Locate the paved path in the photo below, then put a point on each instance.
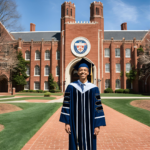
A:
(121, 133)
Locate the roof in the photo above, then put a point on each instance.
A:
(108, 34)
(37, 35)
(127, 34)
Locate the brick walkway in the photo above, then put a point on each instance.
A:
(121, 133)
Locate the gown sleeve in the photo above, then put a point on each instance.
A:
(99, 119)
(65, 111)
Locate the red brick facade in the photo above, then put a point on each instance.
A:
(94, 32)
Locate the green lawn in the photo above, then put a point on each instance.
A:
(123, 106)
(36, 94)
(26, 98)
(122, 95)
(20, 126)
(6, 96)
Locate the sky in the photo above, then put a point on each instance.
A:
(46, 14)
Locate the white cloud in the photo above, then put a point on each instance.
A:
(124, 12)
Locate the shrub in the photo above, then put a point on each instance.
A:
(108, 90)
(45, 91)
(57, 91)
(27, 90)
(40, 91)
(31, 91)
(128, 91)
(52, 91)
(47, 94)
(119, 91)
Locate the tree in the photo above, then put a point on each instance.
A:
(19, 76)
(144, 57)
(131, 75)
(51, 82)
(9, 15)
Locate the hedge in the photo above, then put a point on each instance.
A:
(108, 90)
(47, 94)
(119, 91)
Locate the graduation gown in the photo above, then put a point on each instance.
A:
(83, 111)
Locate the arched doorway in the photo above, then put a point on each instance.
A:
(3, 83)
(69, 69)
(75, 77)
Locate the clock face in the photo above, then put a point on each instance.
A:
(80, 46)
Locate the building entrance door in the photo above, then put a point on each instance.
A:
(3, 84)
(75, 77)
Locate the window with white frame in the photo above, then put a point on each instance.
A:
(128, 53)
(118, 68)
(107, 83)
(37, 55)
(117, 52)
(46, 86)
(37, 70)
(118, 84)
(107, 67)
(107, 52)
(36, 85)
(28, 71)
(47, 55)
(58, 55)
(27, 55)
(27, 86)
(128, 67)
(57, 70)
(47, 70)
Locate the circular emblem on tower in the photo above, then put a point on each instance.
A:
(80, 46)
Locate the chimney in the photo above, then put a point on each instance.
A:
(124, 26)
(32, 27)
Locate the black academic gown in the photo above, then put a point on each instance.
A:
(83, 111)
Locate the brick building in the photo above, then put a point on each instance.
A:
(113, 53)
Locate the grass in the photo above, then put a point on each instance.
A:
(36, 94)
(124, 107)
(26, 98)
(6, 96)
(20, 126)
(122, 95)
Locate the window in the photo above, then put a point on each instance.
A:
(107, 52)
(97, 11)
(128, 67)
(128, 53)
(118, 68)
(47, 70)
(58, 55)
(27, 86)
(128, 84)
(27, 55)
(57, 71)
(67, 11)
(37, 70)
(71, 12)
(107, 83)
(37, 55)
(36, 85)
(46, 86)
(47, 55)
(107, 67)
(118, 84)
(28, 71)
(117, 52)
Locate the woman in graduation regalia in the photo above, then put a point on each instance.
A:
(82, 110)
